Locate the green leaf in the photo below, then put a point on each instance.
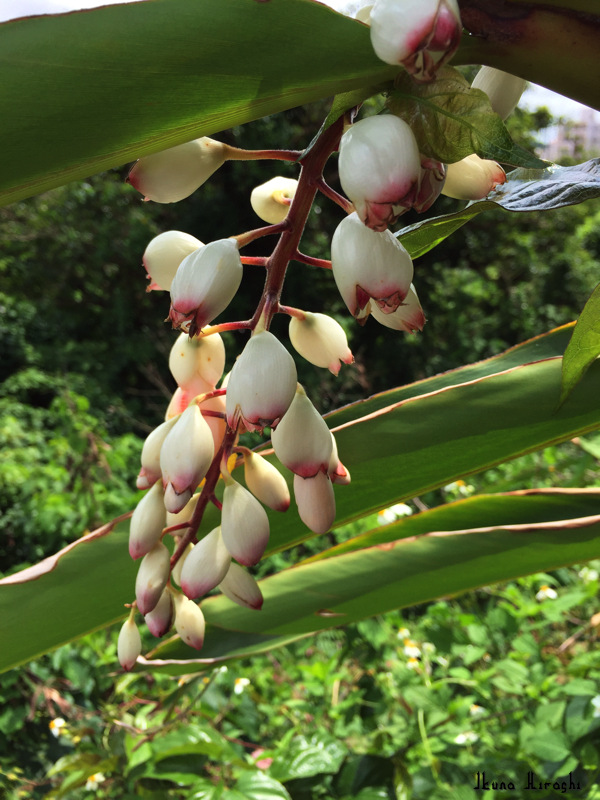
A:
(258, 786)
(95, 89)
(524, 190)
(549, 745)
(304, 757)
(451, 121)
(446, 432)
(584, 346)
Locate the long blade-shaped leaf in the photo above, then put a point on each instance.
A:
(584, 346)
(397, 445)
(90, 90)
(501, 537)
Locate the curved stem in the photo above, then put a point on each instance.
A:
(338, 198)
(308, 184)
(312, 262)
(255, 261)
(239, 154)
(250, 236)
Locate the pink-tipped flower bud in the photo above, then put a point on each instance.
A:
(271, 200)
(160, 619)
(147, 522)
(380, 169)
(150, 471)
(316, 501)
(422, 35)
(302, 440)
(240, 587)
(152, 578)
(129, 644)
(262, 383)
(504, 90)
(320, 340)
(164, 254)
(337, 471)
(205, 566)
(408, 317)
(244, 525)
(433, 175)
(205, 284)
(473, 178)
(178, 566)
(173, 174)
(266, 482)
(189, 621)
(194, 357)
(369, 268)
(185, 457)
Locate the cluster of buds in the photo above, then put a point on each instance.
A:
(195, 458)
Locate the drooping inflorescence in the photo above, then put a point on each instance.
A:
(195, 458)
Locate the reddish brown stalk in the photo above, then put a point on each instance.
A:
(312, 262)
(249, 236)
(338, 198)
(254, 261)
(311, 176)
(238, 154)
(208, 490)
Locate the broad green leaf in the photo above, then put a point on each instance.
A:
(445, 561)
(524, 190)
(584, 346)
(446, 431)
(549, 745)
(87, 91)
(304, 757)
(258, 786)
(451, 121)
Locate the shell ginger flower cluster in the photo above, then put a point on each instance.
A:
(197, 461)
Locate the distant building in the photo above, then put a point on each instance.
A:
(572, 139)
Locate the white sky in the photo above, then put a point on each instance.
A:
(534, 96)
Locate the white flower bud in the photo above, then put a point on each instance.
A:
(150, 471)
(244, 525)
(164, 254)
(205, 566)
(302, 440)
(197, 356)
(205, 284)
(189, 621)
(369, 268)
(504, 90)
(185, 457)
(147, 522)
(316, 501)
(271, 200)
(380, 169)
(266, 482)
(173, 174)
(129, 644)
(240, 587)
(473, 178)
(320, 340)
(262, 383)
(408, 317)
(422, 35)
(178, 566)
(152, 577)
(160, 619)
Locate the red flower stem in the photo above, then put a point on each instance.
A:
(292, 312)
(209, 413)
(338, 198)
(227, 326)
(239, 154)
(250, 236)
(309, 181)
(312, 262)
(254, 261)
